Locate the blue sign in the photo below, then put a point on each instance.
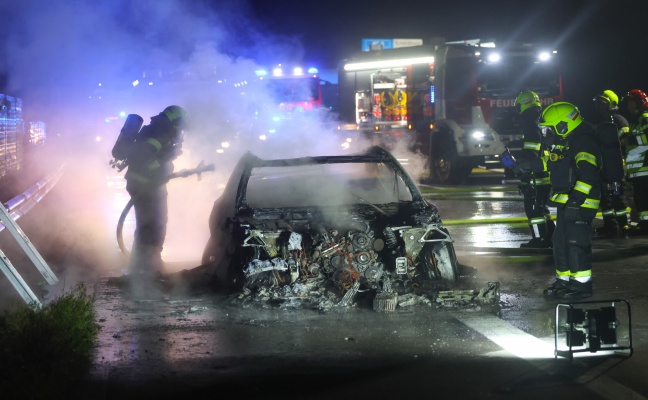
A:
(377, 44)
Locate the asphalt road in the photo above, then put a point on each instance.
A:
(201, 345)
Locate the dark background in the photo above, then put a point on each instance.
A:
(602, 44)
(52, 54)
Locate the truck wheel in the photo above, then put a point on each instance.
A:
(446, 165)
(440, 261)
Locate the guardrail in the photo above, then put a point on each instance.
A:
(9, 213)
(21, 204)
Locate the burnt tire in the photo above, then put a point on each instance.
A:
(440, 261)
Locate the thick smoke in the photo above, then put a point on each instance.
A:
(74, 64)
(77, 65)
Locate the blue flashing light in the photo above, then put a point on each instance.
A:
(261, 72)
(313, 70)
(122, 114)
(297, 71)
(432, 94)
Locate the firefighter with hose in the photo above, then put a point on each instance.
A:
(149, 160)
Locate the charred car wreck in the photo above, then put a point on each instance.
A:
(328, 230)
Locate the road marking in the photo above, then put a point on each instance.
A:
(539, 352)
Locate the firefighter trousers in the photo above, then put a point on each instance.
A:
(536, 198)
(572, 242)
(151, 216)
(613, 208)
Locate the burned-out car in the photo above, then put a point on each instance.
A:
(328, 229)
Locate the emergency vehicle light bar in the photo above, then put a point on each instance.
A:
(388, 63)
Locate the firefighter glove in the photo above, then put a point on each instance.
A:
(572, 211)
(575, 213)
(523, 167)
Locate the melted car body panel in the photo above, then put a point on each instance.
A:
(345, 224)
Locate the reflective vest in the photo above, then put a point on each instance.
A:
(636, 150)
(562, 165)
(538, 178)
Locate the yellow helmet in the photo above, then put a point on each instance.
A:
(526, 100)
(177, 115)
(609, 97)
(563, 117)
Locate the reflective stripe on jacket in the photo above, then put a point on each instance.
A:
(636, 150)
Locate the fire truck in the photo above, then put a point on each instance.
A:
(294, 89)
(285, 96)
(452, 101)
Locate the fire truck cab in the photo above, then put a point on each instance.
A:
(453, 101)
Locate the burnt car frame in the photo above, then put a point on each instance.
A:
(346, 224)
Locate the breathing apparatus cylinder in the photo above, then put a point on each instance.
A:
(127, 136)
(611, 152)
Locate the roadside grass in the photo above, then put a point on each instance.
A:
(45, 351)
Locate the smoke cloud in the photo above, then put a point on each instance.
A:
(81, 66)
(78, 64)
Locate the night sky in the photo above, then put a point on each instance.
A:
(603, 44)
(50, 51)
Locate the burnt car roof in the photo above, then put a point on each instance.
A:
(373, 154)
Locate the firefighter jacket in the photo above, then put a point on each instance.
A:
(637, 147)
(534, 147)
(575, 168)
(622, 124)
(152, 155)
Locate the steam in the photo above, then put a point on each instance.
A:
(77, 65)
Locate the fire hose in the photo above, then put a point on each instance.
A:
(180, 174)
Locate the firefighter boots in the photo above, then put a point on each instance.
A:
(557, 287)
(541, 239)
(576, 290)
(571, 289)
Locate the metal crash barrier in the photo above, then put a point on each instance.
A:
(9, 213)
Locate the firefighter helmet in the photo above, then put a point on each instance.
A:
(177, 115)
(563, 117)
(608, 97)
(640, 98)
(526, 100)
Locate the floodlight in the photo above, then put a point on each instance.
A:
(592, 329)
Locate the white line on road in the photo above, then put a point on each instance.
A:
(539, 352)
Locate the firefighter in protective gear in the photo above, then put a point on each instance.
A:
(574, 165)
(150, 163)
(636, 104)
(613, 206)
(534, 186)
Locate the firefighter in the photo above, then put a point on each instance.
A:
(613, 206)
(150, 163)
(534, 186)
(574, 165)
(636, 104)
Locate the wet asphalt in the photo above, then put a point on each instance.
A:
(204, 345)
